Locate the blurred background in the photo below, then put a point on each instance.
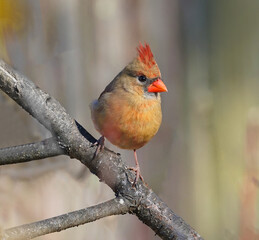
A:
(203, 162)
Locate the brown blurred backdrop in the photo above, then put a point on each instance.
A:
(204, 160)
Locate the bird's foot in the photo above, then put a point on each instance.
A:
(100, 146)
(138, 175)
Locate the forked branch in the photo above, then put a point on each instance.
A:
(108, 166)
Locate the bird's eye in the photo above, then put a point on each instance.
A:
(142, 78)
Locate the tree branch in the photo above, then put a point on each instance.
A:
(107, 165)
(31, 151)
(115, 206)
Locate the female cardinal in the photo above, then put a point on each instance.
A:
(128, 111)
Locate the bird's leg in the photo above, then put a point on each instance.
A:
(100, 145)
(136, 169)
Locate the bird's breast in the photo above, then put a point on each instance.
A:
(129, 123)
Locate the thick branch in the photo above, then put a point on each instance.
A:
(32, 151)
(28, 231)
(108, 166)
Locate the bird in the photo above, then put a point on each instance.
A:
(128, 111)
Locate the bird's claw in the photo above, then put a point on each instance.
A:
(138, 175)
(100, 146)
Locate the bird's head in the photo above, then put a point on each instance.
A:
(144, 74)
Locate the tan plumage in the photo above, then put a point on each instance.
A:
(128, 112)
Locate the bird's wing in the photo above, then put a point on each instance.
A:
(111, 86)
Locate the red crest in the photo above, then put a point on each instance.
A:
(145, 55)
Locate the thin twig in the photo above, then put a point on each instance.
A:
(115, 206)
(31, 151)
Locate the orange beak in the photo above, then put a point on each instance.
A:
(157, 86)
